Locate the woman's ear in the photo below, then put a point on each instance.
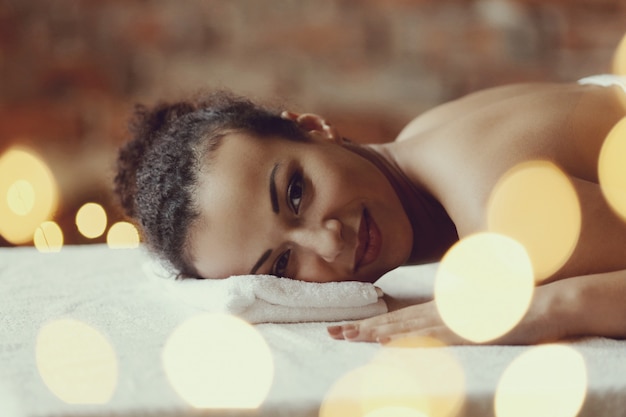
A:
(313, 123)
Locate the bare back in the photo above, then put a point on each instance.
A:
(459, 151)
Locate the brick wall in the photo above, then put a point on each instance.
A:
(71, 69)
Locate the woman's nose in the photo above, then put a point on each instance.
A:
(324, 239)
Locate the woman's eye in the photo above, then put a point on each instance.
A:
(280, 266)
(295, 191)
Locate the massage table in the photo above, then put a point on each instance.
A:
(127, 323)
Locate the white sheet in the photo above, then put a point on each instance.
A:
(107, 290)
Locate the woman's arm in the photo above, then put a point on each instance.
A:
(590, 305)
(598, 305)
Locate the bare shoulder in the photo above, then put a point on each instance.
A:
(459, 152)
(470, 103)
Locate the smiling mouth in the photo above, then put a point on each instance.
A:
(369, 242)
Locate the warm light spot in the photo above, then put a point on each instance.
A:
(393, 411)
(91, 220)
(484, 286)
(536, 204)
(21, 197)
(619, 59)
(218, 361)
(123, 235)
(76, 362)
(373, 387)
(48, 237)
(548, 380)
(612, 168)
(402, 382)
(28, 194)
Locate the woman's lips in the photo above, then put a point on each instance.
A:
(369, 242)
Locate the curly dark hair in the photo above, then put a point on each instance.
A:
(157, 170)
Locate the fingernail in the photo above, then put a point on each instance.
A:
(334, 330)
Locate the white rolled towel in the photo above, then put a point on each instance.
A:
(268, 299)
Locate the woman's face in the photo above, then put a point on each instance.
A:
(311, 211)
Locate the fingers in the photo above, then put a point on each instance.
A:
(367, 332)
(372, 330)
(353, 331)
(346, 331)
(401, 334)
(418, 318)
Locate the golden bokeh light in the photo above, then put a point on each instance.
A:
(76, 362)
(123, 235)
(21, 197)
(548, 380)
(373, 387)
(91, 220)
(536, 204)
(619, 59)
(483, 286)
(28, 194)
(218, 361)
(400, 382)
(392, 411)
(48, 237)
(612, 168)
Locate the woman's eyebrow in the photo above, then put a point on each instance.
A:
(273, 194)
(260, 262)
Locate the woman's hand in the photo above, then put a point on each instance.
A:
(547, 319)
(418, 320)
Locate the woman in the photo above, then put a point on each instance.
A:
(222, 187)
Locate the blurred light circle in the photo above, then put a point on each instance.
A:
(21, 197)
(612, 168)
(536, 204)
(411, 382)
(48, 237)
(76, 362)
(545, 381)
(91, 220)
(395, 411)
(28, 194)
(483, 286)
(619, 59)
(218, 361)
(123, 235)
(412, 341)
(372, 387)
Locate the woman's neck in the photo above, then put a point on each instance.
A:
(433, 230)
